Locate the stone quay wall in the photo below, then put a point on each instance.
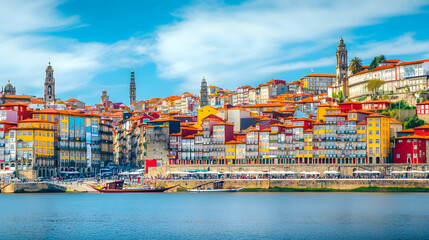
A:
(31, 188)
(344, 169)
(296, 183)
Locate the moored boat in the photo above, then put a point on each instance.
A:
(217, 187)
(117, 187)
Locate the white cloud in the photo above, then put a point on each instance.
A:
(232, 45)
(229, 45)
(26, 50)
(405, 44)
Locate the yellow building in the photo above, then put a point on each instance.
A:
(318, 134)
(264, 145)
(204, 112)
(35, 144)
(308, 146)
(230, 151)
(378, 137)
(321, 111)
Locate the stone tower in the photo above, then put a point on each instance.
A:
(49, 84)
(132, 88)
(342, 67)
(104, 96)
(204, 94)
(9, 89)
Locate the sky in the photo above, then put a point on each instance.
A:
(171, 45)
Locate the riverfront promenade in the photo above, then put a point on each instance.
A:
(296, 183)
(341, 184)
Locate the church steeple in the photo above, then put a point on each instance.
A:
(49, 84)
(341, 61)
(204, 101)
(342, 69)
(132, 88)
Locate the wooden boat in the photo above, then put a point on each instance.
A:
(217, 187)
(117, 187)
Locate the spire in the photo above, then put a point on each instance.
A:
(203, 93)
(132, 88)
(49, 84)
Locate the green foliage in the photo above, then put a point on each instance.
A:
(355, 65)
(424, 95)
(400, 105)
(373, 64)
(375, 61)
(381, 59)
(334, 95)
(407, 89)
(392, 113)
(361, 99)
(413, 122)
(373, 85)
(340, 96)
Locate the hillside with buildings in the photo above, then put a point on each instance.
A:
(319, 120)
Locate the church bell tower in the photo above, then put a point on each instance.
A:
(49, 84)
(132, 88)
(342, 67)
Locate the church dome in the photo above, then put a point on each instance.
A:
(9, 89)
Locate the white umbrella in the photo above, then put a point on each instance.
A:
(375, 172)
(185, 173)
(6, 172)
(313, 173)
(395, 172)
(290, 172)
(331, 172)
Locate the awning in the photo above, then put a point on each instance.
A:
(74, 172)
(331, 172)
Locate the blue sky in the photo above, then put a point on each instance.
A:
(171, 45)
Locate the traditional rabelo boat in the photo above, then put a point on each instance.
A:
(118, 187)
(217, 187)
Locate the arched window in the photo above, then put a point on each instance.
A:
(50, 74)
(342, 58)
(132, 92)
(49, 89)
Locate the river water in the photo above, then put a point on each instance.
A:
(215, 216)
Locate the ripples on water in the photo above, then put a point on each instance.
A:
(215, 216)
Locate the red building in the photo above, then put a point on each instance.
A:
(349, 105)
(411, 149)
(376, 105)
(21, 108)
(423, 108)
(422, 130)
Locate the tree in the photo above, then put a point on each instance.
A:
(381, 59)
(375, 61)
(414, 122)
(424, 95)
(340, 96)
(373, 64)
(355, 65)
(373, 85)
(334, 95)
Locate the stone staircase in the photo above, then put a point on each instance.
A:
(77, 187)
